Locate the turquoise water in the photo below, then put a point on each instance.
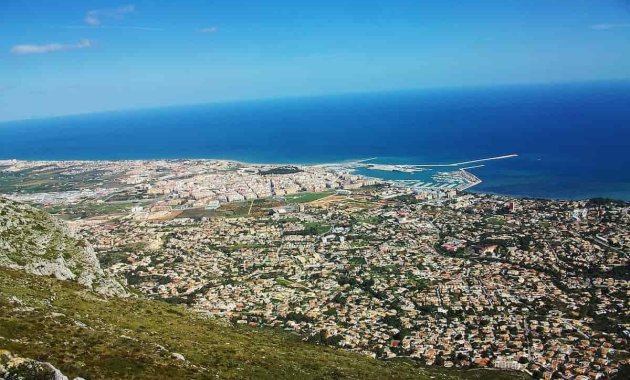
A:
(572, 140)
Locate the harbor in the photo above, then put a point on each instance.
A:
(422, 177)
(459, 180)
(414, 168)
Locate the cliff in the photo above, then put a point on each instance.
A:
(35, 242)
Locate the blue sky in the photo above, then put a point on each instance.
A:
(64, 57)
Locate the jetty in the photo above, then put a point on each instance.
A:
(412, 168)
(467, 162)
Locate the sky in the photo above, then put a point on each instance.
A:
(67, 57)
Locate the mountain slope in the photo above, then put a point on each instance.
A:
(34, 241)
(83, 334)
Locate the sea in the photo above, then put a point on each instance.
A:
(572, 140)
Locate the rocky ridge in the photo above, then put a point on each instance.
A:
(14, 367)
(35, 242)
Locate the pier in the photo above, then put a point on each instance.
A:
(458, 179)
(412, 168)
(465, 162)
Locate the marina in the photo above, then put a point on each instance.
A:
(454, 180)
(414, 168)
(459, 179)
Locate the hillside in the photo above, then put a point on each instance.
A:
(51, 311)
(35, 242)
(115, 338)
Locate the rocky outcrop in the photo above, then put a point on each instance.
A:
(17, 368)
(33, 241)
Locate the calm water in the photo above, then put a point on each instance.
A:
(573, 140)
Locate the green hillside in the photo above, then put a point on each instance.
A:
(85, 335)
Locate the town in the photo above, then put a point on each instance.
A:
(440, 276)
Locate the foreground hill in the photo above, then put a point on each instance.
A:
(83, 334)
(56, 307)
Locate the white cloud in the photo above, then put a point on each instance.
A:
(95, 16)
(47, 48)
(210, 29)
(120, 27)
(609, 26)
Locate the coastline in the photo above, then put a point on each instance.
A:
(351, 166)
(559, 156)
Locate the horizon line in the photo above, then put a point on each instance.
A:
(320, 95)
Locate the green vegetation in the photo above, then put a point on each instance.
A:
(283, 281)
(417, 283)
(33, 231)
(100, 338)
(358, 243)
(90, 209)
(282, 170)
(316, 228)
(495, 220)
(361, 217)
(357, 261)
(307, 197)
(111, 258)
(385, 270)
(311, 228)
(48, 180)
(258, 207)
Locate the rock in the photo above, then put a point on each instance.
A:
(33, 241)
(58, 268)
(80, 324)
(177, 356)
(18, 368)
(15, 301)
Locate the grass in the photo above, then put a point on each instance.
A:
(90, 209)
(495, 220)
(49, 180)
(135, 339)
(307, 197)
(259, 207)
(369, 219)
(283, 282)
(316, 228)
